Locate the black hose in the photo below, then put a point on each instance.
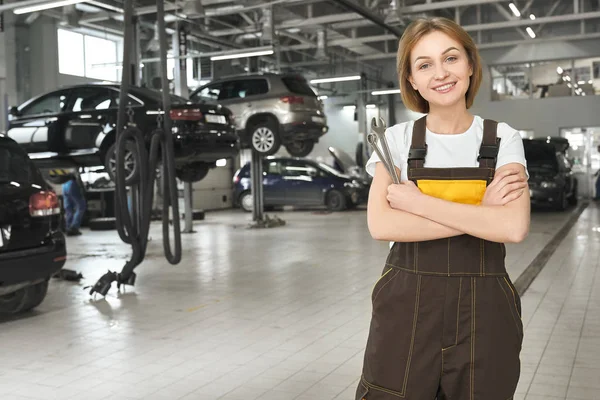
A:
(133, 220)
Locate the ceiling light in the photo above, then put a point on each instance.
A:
(106, 6)
(242, 55)
(569, 85)
(46, 6)
(590, 81)
(322, 97)
(371, 106)
(531, 17)
(568, 78)
(336, 79)
(559, 70)
(514, 9)
(387, 91)
(581, 82)
(349, 107)
(530, 32)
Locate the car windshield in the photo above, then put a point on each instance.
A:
(329, 169)
(541, 156)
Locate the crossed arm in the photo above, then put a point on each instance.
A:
(401, 213)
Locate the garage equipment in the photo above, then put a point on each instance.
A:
(378, 135)
(134, 201)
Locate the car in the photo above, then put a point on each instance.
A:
(76, 127)
(300, 182)
(32, 246)
(551, 181)
(270, 110)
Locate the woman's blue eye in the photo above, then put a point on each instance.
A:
(423, 66)
(451, 58)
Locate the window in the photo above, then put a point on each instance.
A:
(90, 99)
(298, 85)
(14, 164)
(210, 92)
(296, 168)
(87, 55)
(52, 103)
(240, 89)
(272, 167)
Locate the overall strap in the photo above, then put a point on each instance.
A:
(488, 152)
(418, 147)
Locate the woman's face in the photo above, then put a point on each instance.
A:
(440, 70)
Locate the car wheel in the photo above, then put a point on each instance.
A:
(35, 295)
(336, 201)
(192, 172)
(563, 203)
(246, 201)
(14, 302)
(300, 148)
(132, 162)
(265, 139)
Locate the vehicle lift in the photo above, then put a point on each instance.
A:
(133, 219)
(259, 218)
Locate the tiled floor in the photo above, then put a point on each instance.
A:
(274, 314)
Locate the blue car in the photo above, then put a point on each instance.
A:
(301, 182)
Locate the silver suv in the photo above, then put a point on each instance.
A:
(270, 110)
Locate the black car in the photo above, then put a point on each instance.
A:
(551, 180)
(76, 126)
(301, 182)
(32, 248)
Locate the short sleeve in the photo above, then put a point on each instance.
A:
(511, 147)
(396, 150)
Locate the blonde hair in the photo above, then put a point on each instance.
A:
(413, 33)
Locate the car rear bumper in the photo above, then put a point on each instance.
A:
(304, 130)
(205, 146)
(31, 265)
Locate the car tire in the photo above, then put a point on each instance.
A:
(103, 224)
(246, 201)
(35, 295)
(132, 162)
(13, 303)
(300, 148)
(192, 173)
(562, 204)
(264, 138)
(335, 201)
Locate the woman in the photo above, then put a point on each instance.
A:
(446, 317)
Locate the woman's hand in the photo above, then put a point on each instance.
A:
(507, 186)
(403, 196)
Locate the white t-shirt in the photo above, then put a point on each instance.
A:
(451, 151)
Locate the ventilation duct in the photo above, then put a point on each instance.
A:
(321, 53)
(70, 16)
(266, 22)
(193, 9)
(153, 44)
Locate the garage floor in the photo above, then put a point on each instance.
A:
(274, 314)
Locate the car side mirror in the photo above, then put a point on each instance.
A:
(14, 111)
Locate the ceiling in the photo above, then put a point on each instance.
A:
(328, 37)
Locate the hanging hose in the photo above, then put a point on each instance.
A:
(133, 219)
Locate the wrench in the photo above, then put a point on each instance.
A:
(378, 135)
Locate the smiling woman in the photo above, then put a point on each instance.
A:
(445, 312)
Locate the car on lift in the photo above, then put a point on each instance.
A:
(32, 247)
(270, 110)
(76, 127)
(300, 182)
(551, 180)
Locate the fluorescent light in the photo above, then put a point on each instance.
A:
(530, 32)
(569, 85)
(559, 70)
(590, 81)
(568, 78)
(514, 9)
(581, 82)
(336, 79)
(531, 17)
(371, 106)
(322, 97)
(349, 107)
(222, 162)
(106, 6)
(46, 6)
(388, 91)
(242, 55)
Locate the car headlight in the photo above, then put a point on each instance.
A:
(548, 185)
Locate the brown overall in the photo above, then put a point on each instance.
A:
(446, 317)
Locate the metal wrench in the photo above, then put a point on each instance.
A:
(378, 135)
